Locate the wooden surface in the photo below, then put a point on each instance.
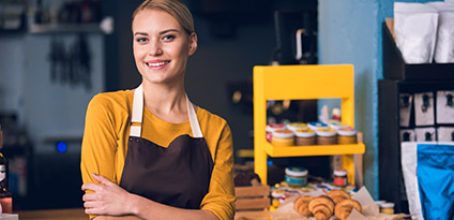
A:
(67, 214)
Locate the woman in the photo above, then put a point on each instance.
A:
(149, 153)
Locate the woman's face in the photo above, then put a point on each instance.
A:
(161, 46)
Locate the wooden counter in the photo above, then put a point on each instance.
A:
(55, 214)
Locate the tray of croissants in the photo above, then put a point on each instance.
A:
(335, 203)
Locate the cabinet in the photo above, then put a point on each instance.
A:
(401, 78)
(299, 82)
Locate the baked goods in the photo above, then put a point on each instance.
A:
(345, 207)
(301, 205)
(338, 195)
(322, 207)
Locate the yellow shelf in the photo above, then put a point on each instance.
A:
(314, 150)
(299, 82)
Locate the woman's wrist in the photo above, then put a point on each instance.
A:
(133, 204)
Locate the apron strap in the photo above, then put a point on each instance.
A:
(196, 132)
(137, 115)
(137, 112)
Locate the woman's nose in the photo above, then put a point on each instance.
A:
(155, 49)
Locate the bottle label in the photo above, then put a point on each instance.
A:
(2, 172)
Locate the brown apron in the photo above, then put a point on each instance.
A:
(177, 176)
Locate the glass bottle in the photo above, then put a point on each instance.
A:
(6, 200)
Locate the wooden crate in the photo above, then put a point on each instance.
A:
(252, 198)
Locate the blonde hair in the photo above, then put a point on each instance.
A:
(174, 7)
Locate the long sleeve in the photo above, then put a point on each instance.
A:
(220, 198)
(99, 141)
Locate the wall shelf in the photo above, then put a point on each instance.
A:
(317, 150)
(64, 28)
(299, 82)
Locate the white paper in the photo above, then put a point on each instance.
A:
(409, 163)
(411, 135)
(415, 25)
(426, 135)
(424, 112)
(444, 50)
(445, 134)
(406, 101)
(445, 112)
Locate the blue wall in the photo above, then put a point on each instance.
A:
(350, 32)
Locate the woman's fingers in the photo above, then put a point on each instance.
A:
(102, 180)
(91, 204)
(89, 197)
(93, 211)
(92, 187)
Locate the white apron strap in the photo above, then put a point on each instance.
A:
(137, 115)
(137, 112)
(196, 132)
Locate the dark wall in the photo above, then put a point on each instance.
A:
(231, 42)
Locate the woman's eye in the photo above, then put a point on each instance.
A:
(168, 38)
(141, 40)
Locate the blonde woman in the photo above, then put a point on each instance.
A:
(149, 153)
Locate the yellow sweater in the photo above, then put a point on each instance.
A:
(105, 145)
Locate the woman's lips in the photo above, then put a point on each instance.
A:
(157, 65)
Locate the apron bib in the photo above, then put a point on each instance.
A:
(177, 176)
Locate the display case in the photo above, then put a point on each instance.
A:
(301, 82)
(403, 79)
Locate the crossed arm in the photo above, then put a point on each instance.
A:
(108, 200)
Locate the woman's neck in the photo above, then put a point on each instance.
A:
(168, 102)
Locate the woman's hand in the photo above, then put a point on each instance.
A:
(107, 198)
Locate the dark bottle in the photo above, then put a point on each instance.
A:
(6, 199)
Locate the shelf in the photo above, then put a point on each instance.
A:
(64, 28)
(315, 150)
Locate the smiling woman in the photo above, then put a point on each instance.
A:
(149, 153)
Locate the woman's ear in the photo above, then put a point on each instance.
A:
(192, 43)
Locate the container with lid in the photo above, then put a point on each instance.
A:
(336, 125)
(346, 135)
(296, 126)
(270, 128)
(317, 125)
(340, 178)
(326, 136)
(387, 208)
(305, 137)
(296, 177)
(283, 138)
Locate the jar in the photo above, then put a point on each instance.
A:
(296, 126)
(346, 135)
(387, 208)
(326, 136)
(340, 178)
(296, 177)
(273, 127)
(305, 137)
(317, 125)
(283, 138)
(336, 125)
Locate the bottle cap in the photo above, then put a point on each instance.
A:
(296, 171)
(387, 205)
(340, 173)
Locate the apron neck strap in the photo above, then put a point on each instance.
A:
(137, 115)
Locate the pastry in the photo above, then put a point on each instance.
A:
(344, 208)
(322, 207)
(301, 205)
(338, 195)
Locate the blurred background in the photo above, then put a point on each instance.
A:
(55, 55)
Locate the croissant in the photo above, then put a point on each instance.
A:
(301, 205)
(322, 207)
(344, 208)
(338, 195)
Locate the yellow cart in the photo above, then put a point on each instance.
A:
(298, 82)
